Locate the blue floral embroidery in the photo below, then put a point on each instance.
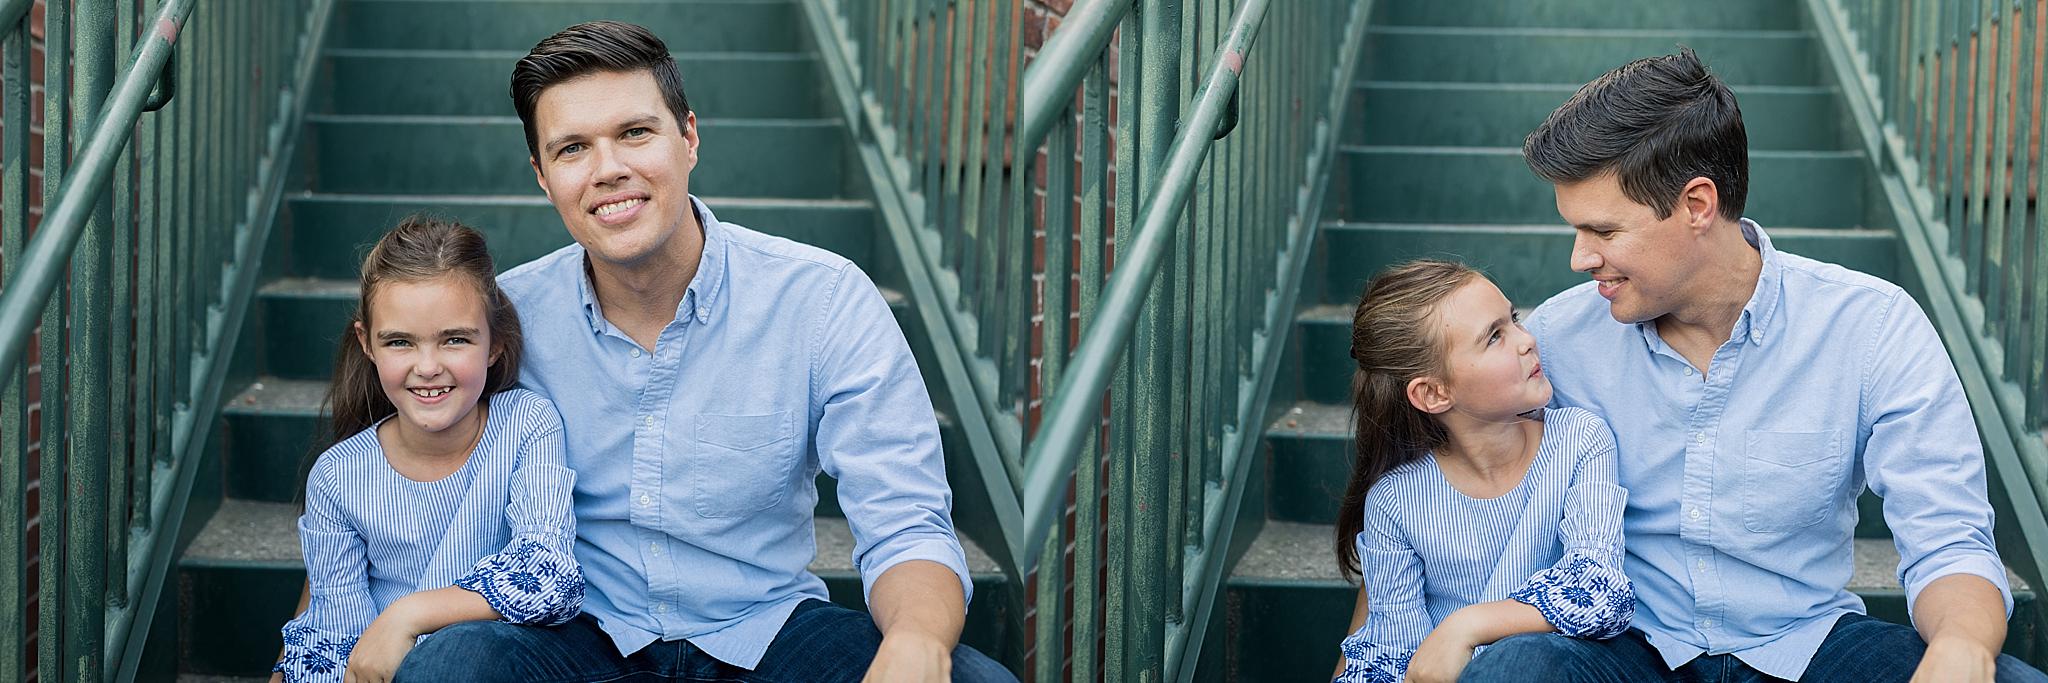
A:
(313, 655)
(1368, 662)
(529, 584)
(1582, 597)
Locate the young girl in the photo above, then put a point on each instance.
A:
(445, 497)
(1472, 513)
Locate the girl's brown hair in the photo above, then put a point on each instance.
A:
(1393, 342)
(420, 248)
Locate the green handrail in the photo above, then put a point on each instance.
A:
(1018, 194)
(1946, 104)
(159, 223)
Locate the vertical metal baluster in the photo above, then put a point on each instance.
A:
(52, 486)
(14, 388)
(1088, 533)
(1117, 611)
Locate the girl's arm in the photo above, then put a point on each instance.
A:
(1396, 621)
(1586, 594)
(1358, 612)
(318, 642)
(535, 579)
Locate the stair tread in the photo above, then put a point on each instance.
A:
(475, 119)
(1517, 151)
(1569, 88)
(514, 55)
(1297, 552)
(248, 533)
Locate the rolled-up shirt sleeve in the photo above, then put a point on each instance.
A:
(1923, 456)
(878, 437)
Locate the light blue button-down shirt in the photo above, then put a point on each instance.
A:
(1742, 488)
(696, 462)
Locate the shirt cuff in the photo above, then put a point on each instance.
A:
(528, 583)
(1368, 662)
(1940, 564)
(312, 654)
(940, 548)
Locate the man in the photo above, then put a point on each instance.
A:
(705, 373)
(1754, 394)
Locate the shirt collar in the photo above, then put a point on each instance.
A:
(704, 288)
(1761, 311)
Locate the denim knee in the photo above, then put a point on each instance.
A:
(971, 666)
(1513, 657)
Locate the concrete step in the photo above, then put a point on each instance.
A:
(240, 582)
(720, 85)
(1288, 608)
(1597, 14)
(1463, 114)
(1406, 184)
(1577, 55)
(1532, 262)
(487, 155)
(331, 232)
(707, 25)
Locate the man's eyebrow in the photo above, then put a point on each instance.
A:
(1596, 225)
(559, 140)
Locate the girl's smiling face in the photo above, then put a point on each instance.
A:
(431, 343)
(1489, 359)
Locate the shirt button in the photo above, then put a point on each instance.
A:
(703, 311)
(1688, 372)
(646, 499)
(1702, 564)
(1693, 514)
(636, 352)
(654, 548)
(1706, 623)
(661, 608)
(649, 420)
(1699, 438)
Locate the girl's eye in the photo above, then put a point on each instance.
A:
(1494, 338)
(458, 340)
(398, 343)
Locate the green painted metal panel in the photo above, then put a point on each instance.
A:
(1594, 14)
(1464, 114)
(687, 26)
(1515, 55)
(720, 85)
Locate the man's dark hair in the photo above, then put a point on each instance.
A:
(1656, 124)
(588, 48)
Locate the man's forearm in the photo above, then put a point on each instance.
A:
(1961, 607)
(919, 598)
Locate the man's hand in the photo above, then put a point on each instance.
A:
(1956, 659)
(1444, 653)
(911, 657)
(383, 645)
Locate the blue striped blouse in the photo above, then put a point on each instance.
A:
(1553, 542)
(500, 526)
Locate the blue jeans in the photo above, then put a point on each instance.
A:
(820, 642)
(1860, 649)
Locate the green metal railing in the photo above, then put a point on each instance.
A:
(1161, 209)
(1947, 98)
(137, 278)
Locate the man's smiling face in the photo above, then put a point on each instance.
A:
(1643, 263)
(616, 164)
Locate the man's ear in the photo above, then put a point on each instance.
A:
(1701, 202)
(1429, 395)
(540, 178)
(690, 139)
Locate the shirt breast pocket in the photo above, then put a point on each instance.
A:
(740, 464)
(1790, 480)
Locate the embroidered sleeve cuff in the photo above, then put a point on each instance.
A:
(1368, 662)
(935, 547)
(528, 583)
(313, 655)
(1582, 597)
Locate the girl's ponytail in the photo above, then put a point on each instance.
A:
(1392, 342)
